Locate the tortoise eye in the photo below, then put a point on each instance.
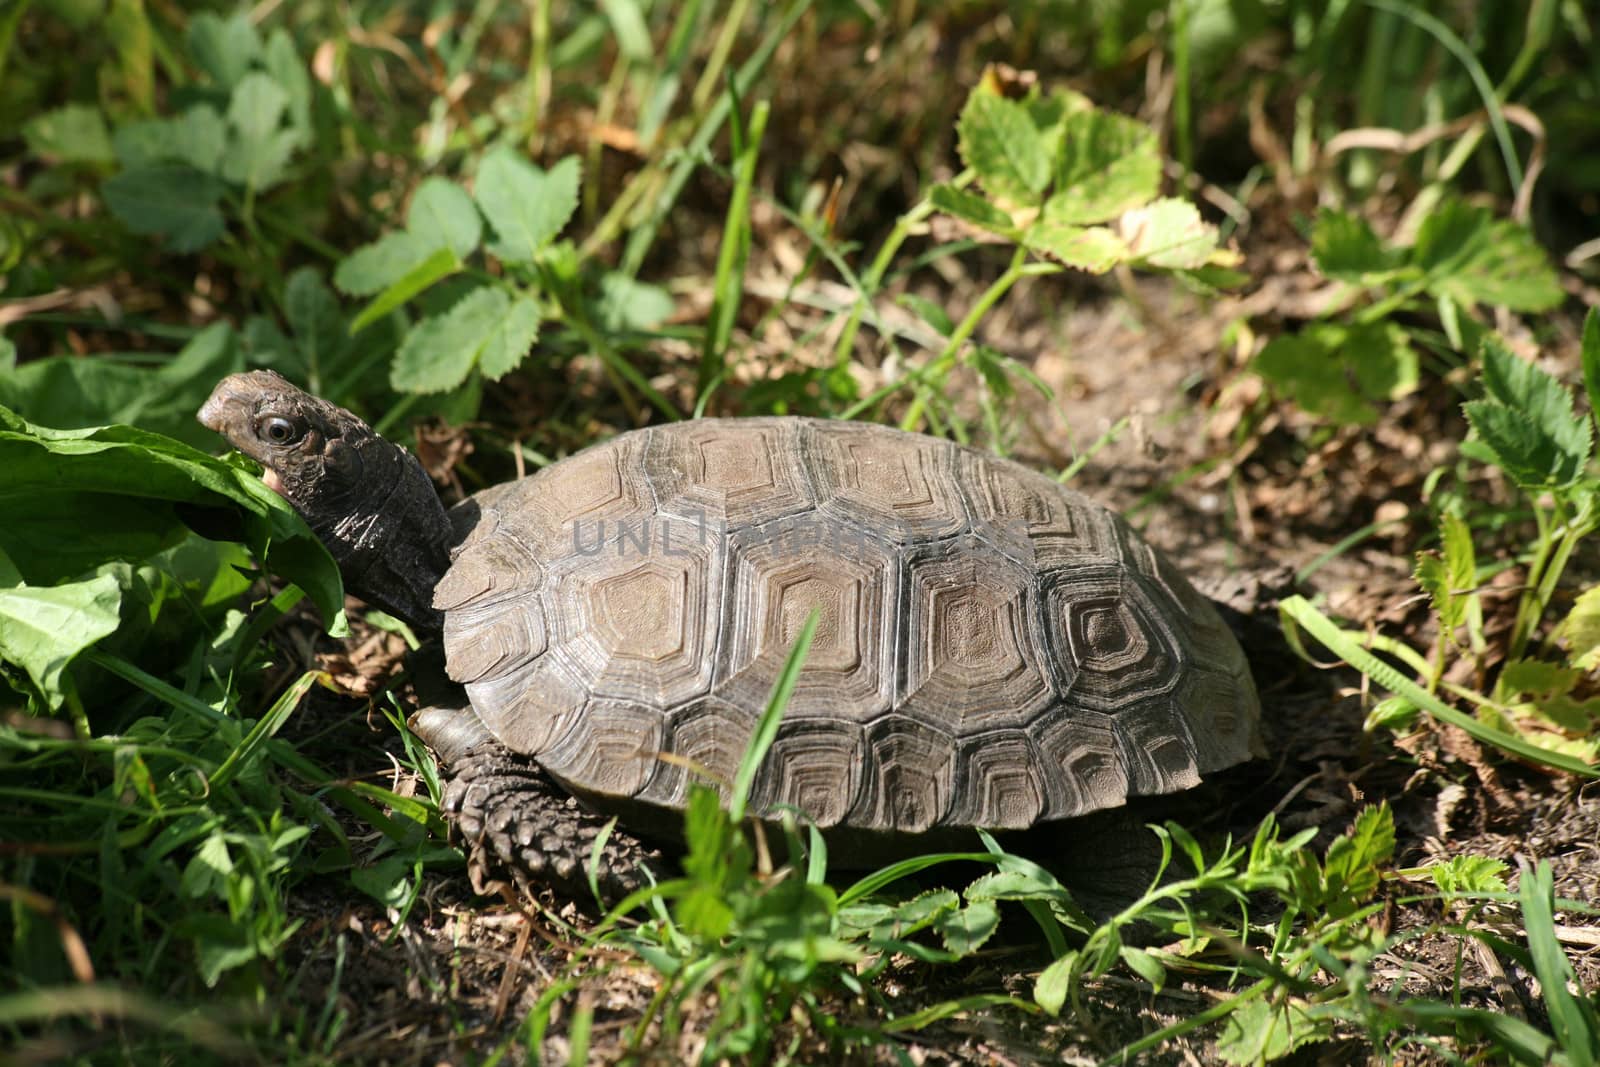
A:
(278, 431)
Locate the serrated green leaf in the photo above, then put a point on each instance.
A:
(1529, 455)
(1591, 360)
(258, 145)
(442, 215)
(486, 326)
(285, 66)
(75, 133)
(1538, 678)
(1467, 873)
(972, 208)
(1431, 576)
(1089, 248)
(526, 206)
(44, 628)
(1258, 1032)
(999, 140)
(964, 930)
(1582, 630)
(1470, 256)
(374, 267)
(224, 48)
(170, 199)
(1351, 871)
(440, 264)
(1168, 233)
(1343, 246)
(1107, 164)
(1338, 371)
(198, 137)
(314, 316)
(1527, 388)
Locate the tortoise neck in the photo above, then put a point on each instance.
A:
(389, 534)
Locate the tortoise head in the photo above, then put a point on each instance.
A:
(368, 500)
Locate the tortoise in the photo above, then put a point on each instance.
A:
(993, 650)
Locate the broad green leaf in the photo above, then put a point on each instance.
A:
(1582, 630)
(998, 139)
(1051, 987)
(1090, 248)
(1168, 233)
(43, 628)
(442, 215)
(1145, 965)
(1538, 678)
(1339, 371)
(224, 48)
(283, 63)
(1466, 873)
(1351, 870)
(75, 133)
(259, 146)
(487, 327)
(1258, 1032)
(626, 305)
(72, 392)
(1591, 360)
(388, 881)
(198, 137)
(314, 316)
(526, 206)
(374, 267)
(436, 267)
(1108, 164)
(75, 499)
(170, 199)
(1474, 258)
(1344, 247)
(964, 930)
(972, 208)
(1531, 391)
(1530, 456)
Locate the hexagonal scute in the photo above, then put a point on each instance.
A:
(849, 672)
(493, 621)
(1113, 642)
(702, 741)
(729, 473)
(912, 777)
(1083, 765)
(1208, 637)
(611, 749)
(1156, 748)
(639, 627)
(529, 710)
(1000, 782)
(972, 656)
(816, 766)
(584, 504)
(1033, 518)
(900, 486)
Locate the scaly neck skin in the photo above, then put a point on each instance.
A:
(369, 501)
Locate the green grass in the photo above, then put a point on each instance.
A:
(544, 222)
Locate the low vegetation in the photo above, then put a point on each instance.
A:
(501, 232)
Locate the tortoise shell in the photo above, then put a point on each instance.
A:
(992, 649)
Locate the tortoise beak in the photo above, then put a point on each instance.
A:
(214, 413)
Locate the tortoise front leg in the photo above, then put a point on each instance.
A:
(515, 817)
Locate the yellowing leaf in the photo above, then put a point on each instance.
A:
(1168, 233)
